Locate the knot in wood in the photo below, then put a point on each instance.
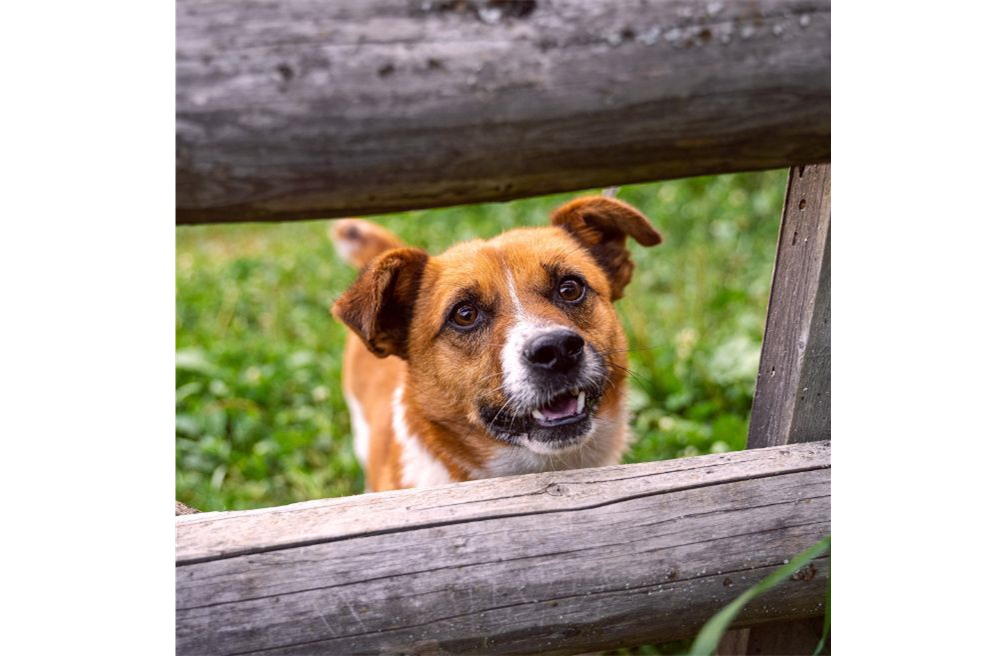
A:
(555, 490)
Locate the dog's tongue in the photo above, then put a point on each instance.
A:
(561, 407)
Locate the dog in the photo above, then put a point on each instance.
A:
(495, 358)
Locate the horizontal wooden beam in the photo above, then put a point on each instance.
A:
(297, 109)
(558, 563)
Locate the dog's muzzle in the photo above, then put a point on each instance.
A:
(552, 393)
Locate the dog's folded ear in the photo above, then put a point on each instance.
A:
(601, 225)
(379, 305)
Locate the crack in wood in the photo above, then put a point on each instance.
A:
(615, 591)
(487, 518)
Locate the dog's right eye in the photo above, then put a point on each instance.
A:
(464, 315)
(570, 290)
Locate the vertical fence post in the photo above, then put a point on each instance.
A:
(793, 392)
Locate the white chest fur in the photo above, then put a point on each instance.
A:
(419, 467)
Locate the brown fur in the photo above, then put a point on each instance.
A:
(398, 307)
(361, 241)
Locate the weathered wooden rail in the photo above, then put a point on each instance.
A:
(555, 563)
(300, 109)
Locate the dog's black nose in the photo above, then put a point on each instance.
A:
(558, 351)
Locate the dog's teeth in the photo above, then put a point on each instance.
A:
(580, 402)
(537, 415)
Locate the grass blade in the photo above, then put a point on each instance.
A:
(828, 622)
(709, 636)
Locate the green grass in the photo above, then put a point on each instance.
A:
(259, 416)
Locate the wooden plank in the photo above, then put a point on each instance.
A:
(793, 394)
(558, 563)
(298, 109)
(182, 509)
(790, 638)
(214, 535)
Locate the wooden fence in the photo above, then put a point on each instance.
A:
(296, 109)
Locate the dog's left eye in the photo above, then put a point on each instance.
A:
(464, 315)
(570, 290)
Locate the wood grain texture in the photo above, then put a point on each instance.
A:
(298, 109)
(182, 509)
(560, 563)
(790, 638)
(793, 395)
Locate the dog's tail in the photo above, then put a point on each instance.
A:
(358, 241)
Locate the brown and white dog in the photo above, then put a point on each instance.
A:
(508, 356)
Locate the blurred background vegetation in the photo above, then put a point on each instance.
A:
(260, 420)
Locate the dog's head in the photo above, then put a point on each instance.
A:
(516, 335)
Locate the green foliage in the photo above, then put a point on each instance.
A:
(260, 420)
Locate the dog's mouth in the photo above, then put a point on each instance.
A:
(569, 406)
(562, 418)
